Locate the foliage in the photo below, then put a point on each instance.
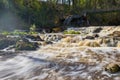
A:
(33, 29)
(5, 33)
(48, 14)
(15, 32)
(18, 32)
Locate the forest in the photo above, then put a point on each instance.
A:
(50, 13)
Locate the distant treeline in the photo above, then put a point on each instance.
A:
(50, 13)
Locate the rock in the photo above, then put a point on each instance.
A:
(112, 68)
(89, 37)
(52, 37)
(34, 37)
(6, 42)
(97, 30)
(96, 35)
(92, 36)
(21, 45)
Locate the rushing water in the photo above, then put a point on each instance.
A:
(59, 61)
(55, 62)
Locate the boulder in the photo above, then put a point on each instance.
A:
(97, 30)
(112, 68)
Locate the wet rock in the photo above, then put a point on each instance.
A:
(112, 68)
(52, 37)
(34, 37)
(89, 37)
(96, 35)
(6, 42)
(97, 30)
(92, 36)
(21, 45)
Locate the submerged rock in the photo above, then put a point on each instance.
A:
(112, 68)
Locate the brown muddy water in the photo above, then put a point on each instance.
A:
(60, 61)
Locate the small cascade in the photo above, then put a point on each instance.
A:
(65, 59)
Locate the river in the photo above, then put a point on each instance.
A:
(59, 61)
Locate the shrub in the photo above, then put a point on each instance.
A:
(33, 29)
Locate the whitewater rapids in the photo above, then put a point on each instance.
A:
(61, 61)
(53, 62)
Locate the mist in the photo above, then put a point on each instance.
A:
(9, 21)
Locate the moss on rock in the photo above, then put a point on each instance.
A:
(21, 45)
